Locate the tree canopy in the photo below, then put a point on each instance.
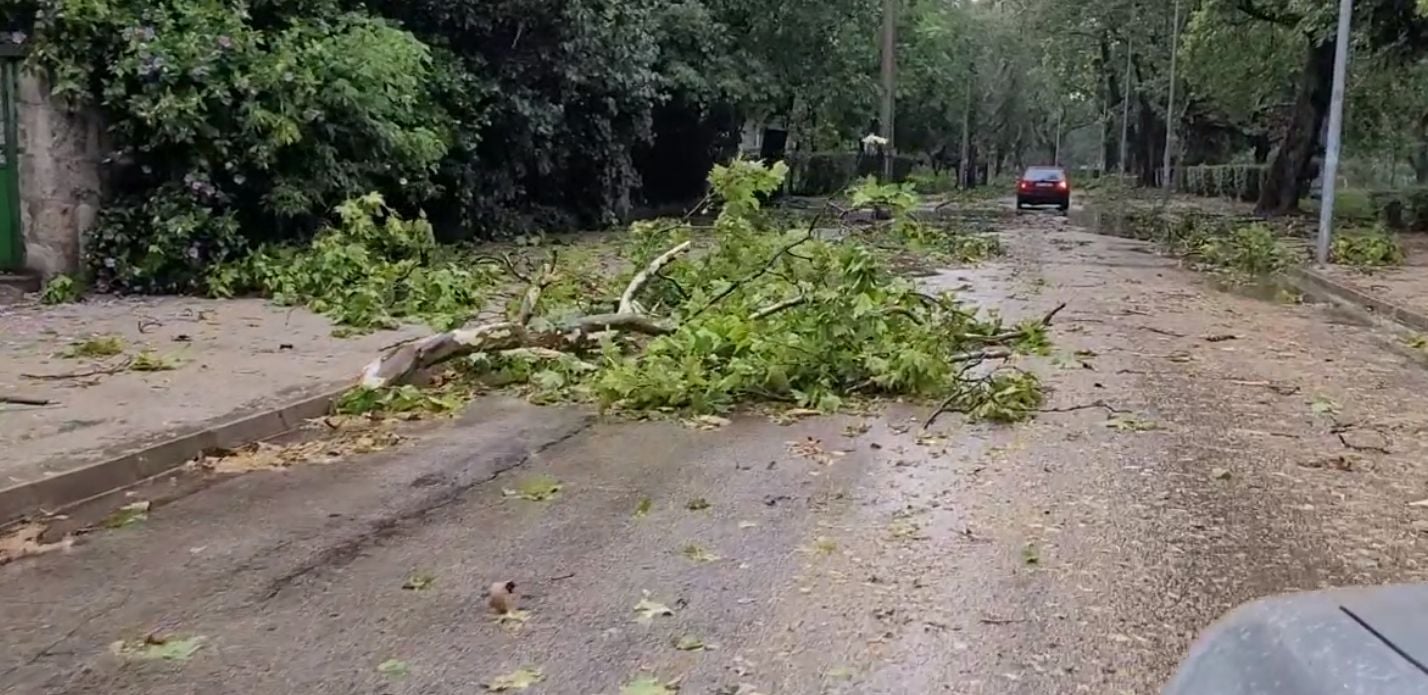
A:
(240, 121)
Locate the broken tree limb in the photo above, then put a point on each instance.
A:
(627, 300)
(775, 308)
(537, 286)
(24, 400)
(580, 333)
(111, 369)
(773, 260)
(1012, 335)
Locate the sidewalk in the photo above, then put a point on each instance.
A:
(231, 358)
(1399, 294)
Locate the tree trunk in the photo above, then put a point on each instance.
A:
(1290, 169)
(965, 171)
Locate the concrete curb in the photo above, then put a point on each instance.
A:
(1320, 286)
(89, 481)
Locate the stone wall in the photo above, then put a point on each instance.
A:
(61, 151)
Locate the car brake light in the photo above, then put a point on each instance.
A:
(1062, 185)
(1023, 184)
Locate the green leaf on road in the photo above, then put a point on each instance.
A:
(689, 643)
(698, 553)
(535, 488)
(519, 679)
(642, 509)
(393, 668)
(1130, 423)
(1323, 406)
(171, 649)
(646, 686)
(420, 581)
(646, 610)
(1030, 555)
(128, 515)
(696, 504)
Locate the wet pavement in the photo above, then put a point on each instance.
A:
(1079, 552)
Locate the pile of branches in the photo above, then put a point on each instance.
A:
(749, 310)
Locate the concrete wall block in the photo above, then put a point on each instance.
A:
(60, 177)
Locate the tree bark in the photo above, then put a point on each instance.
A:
(1290, 170)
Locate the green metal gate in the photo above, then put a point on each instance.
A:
(12, 249)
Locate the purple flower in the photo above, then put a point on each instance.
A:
(18, 37)
(225, 42)
(193, 252)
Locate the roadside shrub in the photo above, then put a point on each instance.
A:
(926, 181)
(61, 289)
(369, 271)
(1247, 249)
(232, 126)
(1374, 247)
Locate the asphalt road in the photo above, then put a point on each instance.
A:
(1058, 556)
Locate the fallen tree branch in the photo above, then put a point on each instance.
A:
(1084, 406)
(111, 369)
(533, 292)
(734, 286)
(24, 400)
(1011, 335)
(627, 300)
(1161, 331)
(995, 353)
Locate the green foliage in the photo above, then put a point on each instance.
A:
(845, 325)
(61, 289)
(1247, 250)
(1374, 247)
(150, 361)
(230, 125)
(370, 270)
(869, 193)
(926, 181)
(96, 346)
(362, 400)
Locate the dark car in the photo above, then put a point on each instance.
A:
(1043, 186)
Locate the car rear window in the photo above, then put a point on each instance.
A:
(1043, 174)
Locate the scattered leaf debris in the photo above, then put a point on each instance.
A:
(24, 541)
(689, 643)
(393, 668)
(159, 648)
(648, 685)
(128, 515)
(535, 488)
(697, 504)
(520, 679)
(699, 554)
(647, 610)
(642, 509)
(419, 581)
(1130, 423)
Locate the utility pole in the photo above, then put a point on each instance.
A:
(1170, 102)
(1336, 127)
(1125, 101)
(889, 84)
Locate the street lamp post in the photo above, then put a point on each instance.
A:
(1336, 127)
